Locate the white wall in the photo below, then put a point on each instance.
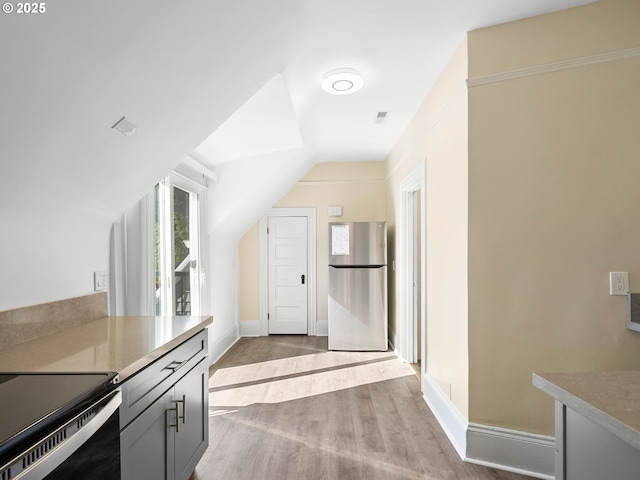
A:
(69, 75)
(234, 204)
(49, 253)
(222, 281)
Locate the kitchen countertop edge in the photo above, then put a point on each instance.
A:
(49, 354)
(140, 364)
(548, 383)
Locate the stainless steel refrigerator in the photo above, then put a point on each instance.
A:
(358, 286)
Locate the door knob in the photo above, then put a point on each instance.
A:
(302, 278)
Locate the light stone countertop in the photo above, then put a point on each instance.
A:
(109, 344)
(609, 399)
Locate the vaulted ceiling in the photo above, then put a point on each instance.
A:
(222, 81)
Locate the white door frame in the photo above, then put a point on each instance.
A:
(414, 181)
(310, 213)
(166, 219)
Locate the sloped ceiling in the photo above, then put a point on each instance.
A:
(265, 124)
(175, 69)
(180, 70)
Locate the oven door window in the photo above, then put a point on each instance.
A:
(97, 459)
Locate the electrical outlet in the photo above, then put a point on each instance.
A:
(99, 281)
(618, 283)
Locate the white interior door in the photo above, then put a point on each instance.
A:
(288, 276)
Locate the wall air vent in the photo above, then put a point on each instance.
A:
(381, 117)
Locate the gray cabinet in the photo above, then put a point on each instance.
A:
(142, 444)
(191, 433)
(586, 451)
(164, 418)
(597, 424)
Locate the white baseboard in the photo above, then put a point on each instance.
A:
(220, 346)
(511, 450)
(250, 328)
(450, 419)
(392, 340)
(253, 328)
(398, 354)
(322, 328)
(501, 448)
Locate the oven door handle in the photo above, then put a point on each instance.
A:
(54, 457)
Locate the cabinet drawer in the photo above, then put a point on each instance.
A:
(141, 390)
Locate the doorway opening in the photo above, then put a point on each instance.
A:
(413, 269)
(416, 269)
(178, 220)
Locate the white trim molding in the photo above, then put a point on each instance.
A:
(519, 452)
(307, 183)
(554, 67)
(222, 344)
(450, 419)
(312, 310)
(407, 342)
(510, 450)
(250, 328)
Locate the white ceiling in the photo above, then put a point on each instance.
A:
(399, 47)
(267, 123)
(220, 80)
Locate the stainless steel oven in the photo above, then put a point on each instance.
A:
(59, 426)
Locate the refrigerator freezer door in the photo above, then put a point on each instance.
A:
(358, 308)
(358, 243)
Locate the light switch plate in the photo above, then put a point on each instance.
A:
(100, 281)
(618, 283)
(335, 211)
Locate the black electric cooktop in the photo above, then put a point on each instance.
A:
(33, 404)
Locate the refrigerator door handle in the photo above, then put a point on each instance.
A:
(302, 278)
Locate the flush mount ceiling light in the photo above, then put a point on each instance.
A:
(342, 81)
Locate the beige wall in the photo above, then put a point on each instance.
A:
(532, 191)
(554, 178)
(358, 187)
(249, 267)
(600, 27)
(438, 134)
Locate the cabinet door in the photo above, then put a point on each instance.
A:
(593, 453)
(146, 445)
(192, 439)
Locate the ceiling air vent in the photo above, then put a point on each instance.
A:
(125, 127)
(381, 117)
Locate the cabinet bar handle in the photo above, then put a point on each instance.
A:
(184, 410)
(177, 424)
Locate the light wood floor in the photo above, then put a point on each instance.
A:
(283, 407)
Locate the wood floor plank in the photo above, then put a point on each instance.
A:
(283, 407)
